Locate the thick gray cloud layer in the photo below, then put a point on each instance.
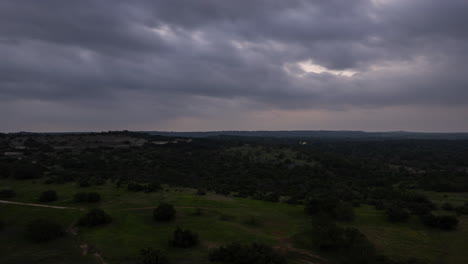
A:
(185, 64)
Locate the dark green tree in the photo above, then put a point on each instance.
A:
(164, 212)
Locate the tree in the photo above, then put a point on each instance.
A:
(48, 196)
(95, 217)
(152, 256)
(164, 212)
(183, 238)
(41, 230)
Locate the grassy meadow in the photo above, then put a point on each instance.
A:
(217, 220)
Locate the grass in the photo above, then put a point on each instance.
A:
(222, 220)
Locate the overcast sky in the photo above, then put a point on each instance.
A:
(192, 65)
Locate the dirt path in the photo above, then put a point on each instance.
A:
(40, 205)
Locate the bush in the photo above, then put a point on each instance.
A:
(184, 239)
(164, 212)
(201, 192)
(397, 214)
(242, 254)
(48, 196)
(152, 256)
(41, 230)
(95, 217)
(7, 193)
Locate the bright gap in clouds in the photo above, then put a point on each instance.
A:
(309, 66)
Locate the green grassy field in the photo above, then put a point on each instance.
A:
(222, 220)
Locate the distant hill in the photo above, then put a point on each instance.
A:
(325, 134)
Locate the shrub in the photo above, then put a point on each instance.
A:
(41, 230)
(184, 239)
(164, 212)
(48, 196)
(7, 193)
(241, 254)
(397, 214)
(152, 256)
(95, 217)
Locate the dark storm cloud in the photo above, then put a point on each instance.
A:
(161, 60)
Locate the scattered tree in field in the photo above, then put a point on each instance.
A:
(95, 217)
(183, 238)
(242, 254)
(7, 193)
(152, 256)
(41, 230)
(164, 212)
(48, 196)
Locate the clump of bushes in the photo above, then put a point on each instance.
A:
(7, 193)
(83, 197)
(95, 217)
(139, 187)
(164, 212)
(240, 254)
(445, 222)
(183, 238)
(48, 196)
(328, 205)
(41, 230)
(152, 256)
